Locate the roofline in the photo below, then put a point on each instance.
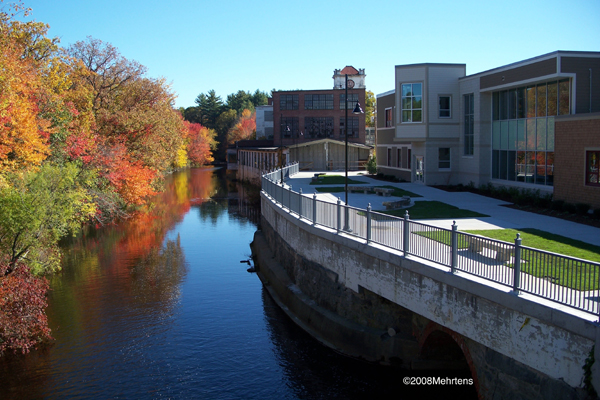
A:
(351, 144)
(431, 65)
(317, 90)
(556, 53)
(385, 93)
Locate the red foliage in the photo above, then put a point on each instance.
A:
(131, 179)
(201, 141)
(23, 322)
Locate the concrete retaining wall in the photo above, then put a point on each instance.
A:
(349, 294)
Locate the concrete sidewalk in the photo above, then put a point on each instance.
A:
(499, 217)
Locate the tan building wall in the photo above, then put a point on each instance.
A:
(574, 135)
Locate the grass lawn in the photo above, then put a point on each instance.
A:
(545, 241)
(434, 209)
(565, 274)
(397, 192)
(333, 180)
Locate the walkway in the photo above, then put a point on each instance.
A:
(499, 217)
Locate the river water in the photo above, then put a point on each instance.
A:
(160, 306)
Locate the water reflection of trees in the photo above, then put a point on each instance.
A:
(157, 276)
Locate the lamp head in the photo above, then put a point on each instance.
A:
(357, 109)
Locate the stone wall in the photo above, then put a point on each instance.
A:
(371, 303)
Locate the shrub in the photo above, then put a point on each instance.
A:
(372, 165)
(582, 208)
(557, 205)
(570, 208)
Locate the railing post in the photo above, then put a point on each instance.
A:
(517, 266)
(406, 241)
(339, 215)
(300, 204)
(454, 259)
(369, 223)
(315, 208)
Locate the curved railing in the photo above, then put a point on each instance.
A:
(566, 280)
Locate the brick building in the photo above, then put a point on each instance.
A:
(311, 123)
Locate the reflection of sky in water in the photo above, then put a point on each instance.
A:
(129, 326)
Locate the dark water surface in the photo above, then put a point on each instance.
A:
(161, 307)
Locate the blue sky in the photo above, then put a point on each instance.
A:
(228, 45)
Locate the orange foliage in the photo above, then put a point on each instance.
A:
(244, 128)
(23, 135)
(131, 179)
(201, 142)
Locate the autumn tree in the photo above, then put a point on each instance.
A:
(244, 128)
(23, 134)
(110, 72)
(201, 143)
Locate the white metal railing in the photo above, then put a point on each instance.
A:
(566, 280)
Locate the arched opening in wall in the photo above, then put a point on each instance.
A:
(444, 353)
(441, 350)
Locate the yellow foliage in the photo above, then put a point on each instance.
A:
(182, 159)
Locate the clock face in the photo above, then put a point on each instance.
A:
(350, 83)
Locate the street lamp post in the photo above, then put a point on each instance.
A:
(357, 110)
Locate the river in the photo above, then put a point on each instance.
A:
(160, 306)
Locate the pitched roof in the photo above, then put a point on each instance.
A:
(350, 70)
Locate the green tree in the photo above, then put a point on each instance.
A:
(370, 112)
(39, 208)
(225, 122)
(210, 106)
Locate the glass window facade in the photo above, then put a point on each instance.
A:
(523, 131)
(292, 124)
(288, 102)
(318, 127)
(592, 164)
(352, 100)
(412, 102)
(318, 102)
(444, 110)
(469, 124)
(352, 126)
(444, 158)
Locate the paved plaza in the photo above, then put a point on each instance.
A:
(499, 217)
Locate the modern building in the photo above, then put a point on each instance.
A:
(311, 123)
(439, 126)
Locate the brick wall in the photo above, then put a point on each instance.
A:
(573, 136)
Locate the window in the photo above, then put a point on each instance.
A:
(318, 127)
(288, 102)
(444, 103)
(292, 124)
(444, 158)
(352, 126)
(352, 100)
(268, 115)
(399, 157)
(389, 157)
(318, 102)
(469, 131)
(412, 102)
(591, 168)
(388, 117)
